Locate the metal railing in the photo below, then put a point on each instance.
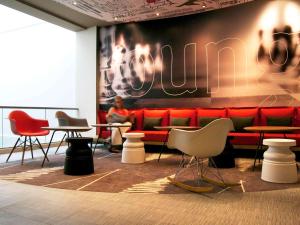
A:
(8, 139)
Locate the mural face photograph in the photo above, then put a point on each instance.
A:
(233, 57)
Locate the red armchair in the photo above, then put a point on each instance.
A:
(25, 126)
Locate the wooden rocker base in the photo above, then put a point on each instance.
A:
(189, 187)
(219, 183)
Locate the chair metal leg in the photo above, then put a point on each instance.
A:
(13, 149)
(34, 142)
(181, 166)
(23, 154)
(68, 135)
(78, 134)
(163, 146)
(96, 144)
(47, 149)
(259, 148)
(218, 172)
(220, 182)
(197, 189)
(41, 147)
(31, 147)
(60, 142)
(21, 143)
(161, 151)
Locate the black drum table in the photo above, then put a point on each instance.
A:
(79, 157)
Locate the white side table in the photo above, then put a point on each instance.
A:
(133, 148)
(279, 165)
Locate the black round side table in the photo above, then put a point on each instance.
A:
(79, 156)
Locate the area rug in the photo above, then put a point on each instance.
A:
(150, 177)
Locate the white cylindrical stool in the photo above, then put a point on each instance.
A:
(133, 148)
(279, 165)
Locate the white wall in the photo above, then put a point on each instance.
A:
(37, 68)
(37, 62)
(86, 75)
(42, 64)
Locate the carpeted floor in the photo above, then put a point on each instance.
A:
(113, 176)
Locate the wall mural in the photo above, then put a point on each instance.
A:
(216, 59)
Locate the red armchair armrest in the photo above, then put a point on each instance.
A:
(41, 123)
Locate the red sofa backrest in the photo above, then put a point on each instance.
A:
(184, 113)
(164, 113)
(244, 112)
(276, 112)
(210, 112)
(139, 118)
(297, 117)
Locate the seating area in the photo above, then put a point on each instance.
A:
(241, 117)
(149, 112)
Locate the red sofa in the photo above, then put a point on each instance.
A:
(259, 115)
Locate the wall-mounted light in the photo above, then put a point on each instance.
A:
(74, 3)
(157, 14)
(116, 18)
(203, 5)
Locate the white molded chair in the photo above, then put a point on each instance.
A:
(206, 142)
(201, 144)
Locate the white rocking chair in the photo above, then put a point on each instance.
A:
(201, 144)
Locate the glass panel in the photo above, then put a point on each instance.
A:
(8, 139)
(1, 128)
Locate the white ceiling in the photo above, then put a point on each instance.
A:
(78, 15)
(11, 20)
(138, 10)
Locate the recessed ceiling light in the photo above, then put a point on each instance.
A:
(74, 3)
(157, 14)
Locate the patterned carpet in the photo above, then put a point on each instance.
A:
(114, 177)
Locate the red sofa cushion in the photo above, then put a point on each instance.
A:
(139, 116)
(105, 134)
(153, 135)
(297, 117)
(244, 138)
(163, 113)
(184, 113)
(206, 112)
(244, 112)
(252, 138)
(281, 135)
(211, 112)
(294, 136)
(101, 119)
(275, 112)
(102, 116)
